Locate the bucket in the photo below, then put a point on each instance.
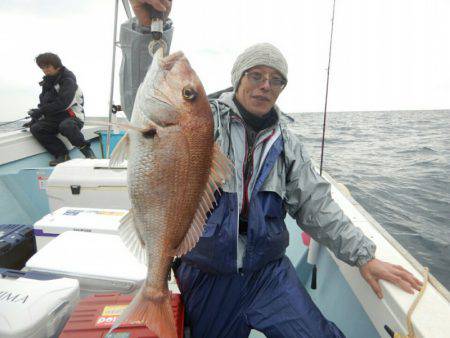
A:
(114, 138)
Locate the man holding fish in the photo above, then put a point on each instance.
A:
(212, 183)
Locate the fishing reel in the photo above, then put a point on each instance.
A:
(115, 108)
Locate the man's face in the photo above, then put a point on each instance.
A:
(259, 89)
(49, 70)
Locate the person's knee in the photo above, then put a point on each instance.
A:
(67, 126)
(35, 129)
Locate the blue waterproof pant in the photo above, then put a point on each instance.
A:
(271, 300)
(45, 132)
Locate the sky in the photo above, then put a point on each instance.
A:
(387, 54)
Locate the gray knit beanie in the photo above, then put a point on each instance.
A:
(261, 54)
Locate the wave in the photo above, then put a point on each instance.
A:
(420, 150)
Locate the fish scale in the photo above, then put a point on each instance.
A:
(173, 164)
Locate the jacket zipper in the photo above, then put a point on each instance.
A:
(245, 185)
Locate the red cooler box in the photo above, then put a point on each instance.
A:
(94, 316)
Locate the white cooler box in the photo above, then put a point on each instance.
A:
(100, 262)
(88, 183)
(31, 308)
(76, 219)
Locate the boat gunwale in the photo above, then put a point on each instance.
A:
(389, 238)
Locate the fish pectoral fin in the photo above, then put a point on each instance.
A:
(220, 171)
(153, 128)
(149, 132)
(120, 153)
(132, 238)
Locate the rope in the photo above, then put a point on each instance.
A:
(413, 307)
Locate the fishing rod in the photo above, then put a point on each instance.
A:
(22, 118)
(314, 247)
(326, 90)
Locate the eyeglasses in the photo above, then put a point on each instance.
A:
(257, 78)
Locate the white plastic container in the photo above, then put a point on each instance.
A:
(88, 182)
(76, 219)
(32, 308)
(100, 262)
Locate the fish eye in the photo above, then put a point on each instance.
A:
(189, 93)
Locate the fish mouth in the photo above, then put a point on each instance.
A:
(165, 66)
(161, 99)
(169, 61)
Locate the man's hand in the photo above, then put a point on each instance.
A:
(142, 9)
(159, 5)
(35, 114)
(29, 123)
(374, 270)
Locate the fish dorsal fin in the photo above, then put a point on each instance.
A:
(220, 171)
(120, 153)
(131, 237)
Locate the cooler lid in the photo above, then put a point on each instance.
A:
(27, 304)
(88, 173)
(88, 255)
(80, 219)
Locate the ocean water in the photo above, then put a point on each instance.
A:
(396, 164)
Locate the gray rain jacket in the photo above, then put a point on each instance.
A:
(134, 41)
(302, 192)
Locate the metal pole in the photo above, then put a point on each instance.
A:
(113, 66)
(126, 6)
(326, 90)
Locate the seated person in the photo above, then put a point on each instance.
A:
(60, 110)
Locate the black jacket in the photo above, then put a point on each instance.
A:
(57, 94)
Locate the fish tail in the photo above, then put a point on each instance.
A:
(154, 309)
